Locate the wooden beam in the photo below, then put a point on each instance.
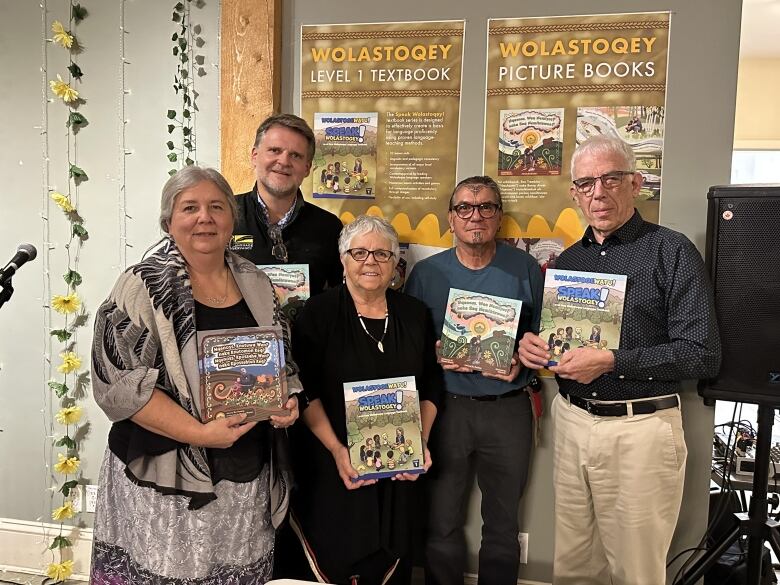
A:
(250, 81)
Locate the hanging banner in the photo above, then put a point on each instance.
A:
(384, 103)
(553, 82)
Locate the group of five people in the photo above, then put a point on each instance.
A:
(228, 501)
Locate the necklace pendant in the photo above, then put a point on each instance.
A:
(380, 346)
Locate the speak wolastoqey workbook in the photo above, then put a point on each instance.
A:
(291, 283)
(242, 371)
(581, 309)
(384, 427)
(479, 331)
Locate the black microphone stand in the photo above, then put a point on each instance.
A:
(7, 291)
(754, 524)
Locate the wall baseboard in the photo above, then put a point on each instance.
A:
(23, 547)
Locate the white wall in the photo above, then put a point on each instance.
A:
(701, 97)
(123, 151)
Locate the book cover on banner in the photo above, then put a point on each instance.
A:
(581, 309)
(344, 165)
(242, 371)
(530, 142)
(479, 331)
(384, 427)
(292, 285)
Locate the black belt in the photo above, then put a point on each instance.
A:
(491, 397)
(648, 406)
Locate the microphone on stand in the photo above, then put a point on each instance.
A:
(24, 253)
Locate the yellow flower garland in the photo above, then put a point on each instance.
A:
(66, 304)
(69, 415)
(63, 201)
(70, 362)
(66, 465)
(63, 90)
(61, 36)
(65, 512)
(60, 571)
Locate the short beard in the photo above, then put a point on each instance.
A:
(476, 237)
(279, 193)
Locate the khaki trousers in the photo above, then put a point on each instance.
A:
(618, 486)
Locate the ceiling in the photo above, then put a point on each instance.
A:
(760, 29)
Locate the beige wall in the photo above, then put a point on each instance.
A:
(757, 119)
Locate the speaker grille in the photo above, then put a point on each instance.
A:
(745, 268)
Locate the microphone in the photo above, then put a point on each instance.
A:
(24, 253)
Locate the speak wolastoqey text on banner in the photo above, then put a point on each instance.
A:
(384, 101)
(552, 83)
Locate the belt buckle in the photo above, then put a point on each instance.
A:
(589, 406)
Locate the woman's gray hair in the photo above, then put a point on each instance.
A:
(605, 144)
(187, 178)
(365, 224)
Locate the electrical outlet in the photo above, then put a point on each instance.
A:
(522, 541)
(77, 497)
(90, 498)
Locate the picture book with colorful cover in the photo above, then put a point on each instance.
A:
(581, 309)
(530, 142)
(384, 427)
(242, 371)
(291, 283)
(344, 165)
(479, 331)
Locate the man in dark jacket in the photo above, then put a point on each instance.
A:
(275, 225)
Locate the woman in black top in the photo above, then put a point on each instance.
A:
(362, 330)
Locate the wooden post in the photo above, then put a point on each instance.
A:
(250, 81)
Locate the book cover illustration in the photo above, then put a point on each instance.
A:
(479, 331)
(530, 142)
(291, 283)
(642, 127)
(344, 165)
(242, 371)
(384, 427)
(581, 309)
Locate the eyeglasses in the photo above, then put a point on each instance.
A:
(466, 210)
(278, 249)
(611, 180)
(361, 254)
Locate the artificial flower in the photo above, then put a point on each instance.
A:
(63, 201)
(60, 571)
(62, 90)
(66, 465)
(66, 304)
(64, 512)
(61, 36)
(68, 415)
(70, 362)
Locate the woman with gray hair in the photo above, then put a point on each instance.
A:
(181, 501)
(362, 330)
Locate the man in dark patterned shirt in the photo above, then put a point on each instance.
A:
(619, 460)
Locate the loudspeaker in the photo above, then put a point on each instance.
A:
(743, 258)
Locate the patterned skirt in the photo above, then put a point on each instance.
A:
(142, 536)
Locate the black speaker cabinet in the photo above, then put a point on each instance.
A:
(743, 258)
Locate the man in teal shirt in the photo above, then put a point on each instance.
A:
(486, 420)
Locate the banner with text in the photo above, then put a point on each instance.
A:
(384, 102)
(553, 82)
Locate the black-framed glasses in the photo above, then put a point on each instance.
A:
(278, 249)
(466, 210)
(610, 180)
(361, 254)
